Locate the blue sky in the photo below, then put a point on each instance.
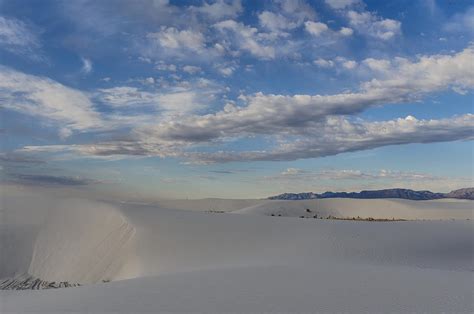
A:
(151, 99)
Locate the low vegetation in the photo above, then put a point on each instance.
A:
(27, 282)
(358, 218)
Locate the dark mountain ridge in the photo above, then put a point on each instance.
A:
(466, 193)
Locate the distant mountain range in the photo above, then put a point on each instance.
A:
(467, 193)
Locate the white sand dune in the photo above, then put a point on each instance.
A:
(194, 261)
(73, 240)
(375, 208)
(209, 204)
(81, 244)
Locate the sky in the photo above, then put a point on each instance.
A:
(150, 99)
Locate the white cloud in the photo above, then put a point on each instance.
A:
(181, 101)
(339, 135)
(17, 37)
(346, 31)
(226, 70)
(303, 126)
(283, 17)
(247, 38)
(292, 172)
(64, 133)
(332, 137)
(69, 110)
(219, 9)
(323, 63)
(353, 179)
(341, 4)
(181, 98)
(190, 69)
(126, 96)
(318, 29)
(174, 39)
(428, 74)
(315, 28)
(291, 115)
(161, 66)
(352, 174)
(369, 24)
(201, 41)
(349, 64)
(346, 63)
(378, 65)
(150, 80)
(342, 174)
(49, 100)
(298, 10)
(364, 22)
(86, 66)
(275, 22)
(461, 22)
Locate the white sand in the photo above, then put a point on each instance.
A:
(193, 261)
(208, 204)
(81, 243)
(375, 208)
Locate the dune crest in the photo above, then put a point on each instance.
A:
(81, 244)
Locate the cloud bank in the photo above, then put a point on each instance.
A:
(302, 126)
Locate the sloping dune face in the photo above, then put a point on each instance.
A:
(22, 212)
(81, 243)
(73, 241)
